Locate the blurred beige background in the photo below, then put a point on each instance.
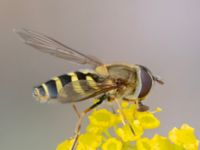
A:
(161, 34)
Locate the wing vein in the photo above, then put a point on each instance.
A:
(49, 45)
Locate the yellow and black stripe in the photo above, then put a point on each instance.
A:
(50, 89)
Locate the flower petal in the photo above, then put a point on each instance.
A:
(184, 137)
(66, 145)
(127, 135)
(112, 144)
(148, 120)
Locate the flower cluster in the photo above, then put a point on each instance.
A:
(108, 131)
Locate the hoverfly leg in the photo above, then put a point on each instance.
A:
(112, 109)
(110, 100)
(78, 126)
(124, 119)
(135, 101)
(142, 107)
(76, 110)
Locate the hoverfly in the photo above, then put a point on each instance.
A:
(107, 81)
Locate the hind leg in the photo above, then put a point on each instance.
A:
(82, 115)
(76, 110)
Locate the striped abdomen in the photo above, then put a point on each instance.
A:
(50, 89)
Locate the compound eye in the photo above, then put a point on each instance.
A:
(146, 83)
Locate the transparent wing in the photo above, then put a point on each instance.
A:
(83, 89)
(49, 45)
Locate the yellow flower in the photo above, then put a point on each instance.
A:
(143, 144)
(125, 104)
(81, 146)
(102, 122)
(128, 146)
(160, 143)
(102, 118)
(94, 129)
(89, 141)
(148, 120)
(129, 111)
(127, 135)
(112, 144)
(66, 145)
(156, 143)
(184, 137)
(158, 109)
